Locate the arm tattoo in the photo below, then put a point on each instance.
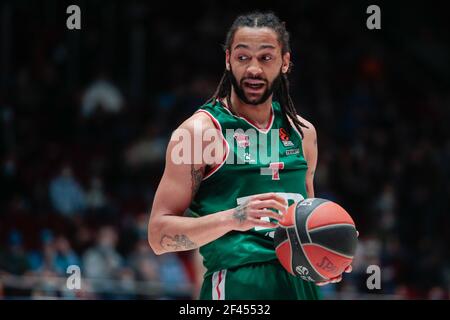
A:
(312, 172)
(240, 213)
(196, 178)
(177, 242)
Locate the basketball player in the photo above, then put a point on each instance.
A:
(232, 205)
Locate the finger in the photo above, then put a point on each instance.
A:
(281, 200)
(268, 213)
(349, 269)
(264, 196)
(264, 224)
(336, 280)
(322, 283)
(268, 196)
(273, 204)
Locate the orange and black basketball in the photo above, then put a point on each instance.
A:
(316, 239)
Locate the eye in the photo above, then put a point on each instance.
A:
(266, 58)
(242, 58)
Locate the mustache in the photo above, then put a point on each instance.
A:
(254, 78)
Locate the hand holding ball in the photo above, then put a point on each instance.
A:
(316, 240)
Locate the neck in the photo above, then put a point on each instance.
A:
(258, 114)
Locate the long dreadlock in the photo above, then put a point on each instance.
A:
(261, 20)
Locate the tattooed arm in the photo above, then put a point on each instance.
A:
(170, 231)
(310, 152)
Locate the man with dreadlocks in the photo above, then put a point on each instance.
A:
(232, 206)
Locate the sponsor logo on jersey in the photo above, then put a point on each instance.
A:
(242, 140)
(292, 151)
(284, 136)
(248, 158)
(287, 143)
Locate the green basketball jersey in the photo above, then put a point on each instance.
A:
(257, 161)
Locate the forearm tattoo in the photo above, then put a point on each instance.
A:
(177, 242)
(196, 178)
(240, 213)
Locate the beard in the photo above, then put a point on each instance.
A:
(239, 88)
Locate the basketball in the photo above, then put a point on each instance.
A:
(316, 240)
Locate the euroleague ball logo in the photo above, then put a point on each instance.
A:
(303, 272)
(306, 202)
(327, 264)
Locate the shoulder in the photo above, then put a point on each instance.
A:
(310, 134)
(200, 121)
(196, 134)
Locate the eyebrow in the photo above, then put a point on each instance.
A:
(266, 46)
(263, 46)
(240, 45)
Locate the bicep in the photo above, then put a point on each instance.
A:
(184, 172)
(178, 184)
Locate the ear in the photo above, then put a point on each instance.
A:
(227, 59)
(286, 62)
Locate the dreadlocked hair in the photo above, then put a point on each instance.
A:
(262, 20)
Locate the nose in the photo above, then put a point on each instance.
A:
(254, 69)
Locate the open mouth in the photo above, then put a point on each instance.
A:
(254, 85)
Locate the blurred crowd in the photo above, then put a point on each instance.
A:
(86, 116)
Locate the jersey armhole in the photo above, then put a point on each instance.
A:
(291, 122)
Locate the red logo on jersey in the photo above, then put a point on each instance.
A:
(242, 139)
(284, 136)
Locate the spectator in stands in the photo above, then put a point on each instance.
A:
(65, 255)
(44, 257)
(102, 263)
(55, 254)
(66, 194)
(144, 262)
(99, 207)
(13, 258)
(172, 274)
(101, 95)
(95, 195)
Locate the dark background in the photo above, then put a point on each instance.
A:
(86, 115)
